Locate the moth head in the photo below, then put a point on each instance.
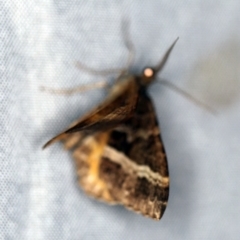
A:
(149, 73)
(147, 76)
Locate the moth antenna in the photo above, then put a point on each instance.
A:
(187, 95)
(69, 91)
(163, 61)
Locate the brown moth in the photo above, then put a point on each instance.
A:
(117, 147)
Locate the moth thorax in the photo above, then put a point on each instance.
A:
(147, 75)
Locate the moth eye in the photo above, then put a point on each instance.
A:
(148, 72)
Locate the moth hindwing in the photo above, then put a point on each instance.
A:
(118, 150)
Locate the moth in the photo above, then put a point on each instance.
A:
(118, 149)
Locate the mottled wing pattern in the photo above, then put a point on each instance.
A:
(126, 165)
(134, 163)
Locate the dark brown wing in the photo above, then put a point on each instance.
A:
(134, 163)
(118, 106)
(126, 165)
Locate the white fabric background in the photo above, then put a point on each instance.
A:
(41, 40)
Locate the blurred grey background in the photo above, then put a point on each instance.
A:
(40, 43)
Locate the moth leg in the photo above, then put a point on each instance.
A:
(77, 89)
(103, 84)
(128, 43)
(120, 71)
(104, 72)
(187, 95)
